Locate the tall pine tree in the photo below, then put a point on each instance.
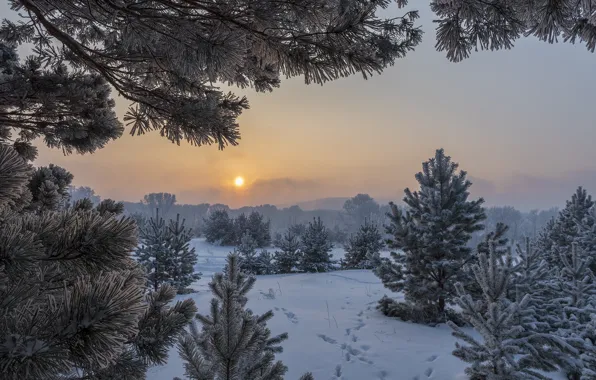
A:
(432, 233)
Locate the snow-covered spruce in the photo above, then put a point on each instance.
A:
(565, 229)
(165, 253)
(587, 236)
(363, 245)
(315, 248)
(247, 254)
(259, 229)
(530, 272)
(574, 301)
(288, 255)
(233, 343)
(432, 232)
(184, 257)
(219, 228)
(507, 350)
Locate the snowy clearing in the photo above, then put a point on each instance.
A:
(335, 331)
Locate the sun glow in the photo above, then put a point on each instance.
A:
(239, 182)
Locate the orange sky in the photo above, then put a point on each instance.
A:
(519, 121)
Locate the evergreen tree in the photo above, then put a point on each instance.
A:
(259, 229)
(543, 242)
(153, 253)
(247, 254)
(530, 272)
(82, 192)
(70, 109)
(184, 257)
(575, 299)
(508, 351)
(315, 248)
(432, 233)
(532, 276)
(365, 243)
(166, 255)
(233, 343)
(565, 230)
(240, 227)
(265, 264)
(109, 205)
(49, 188)
(498, 238)
(587, 236)
(219, 228)
(288, 255)
(189, 45)
(72, 299)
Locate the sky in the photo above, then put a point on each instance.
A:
(520, 122)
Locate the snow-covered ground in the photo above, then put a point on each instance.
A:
(333, 327)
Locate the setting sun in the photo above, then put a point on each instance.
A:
(239, 182)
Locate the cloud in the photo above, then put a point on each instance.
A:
(280, 190)
(529, 191)
(200, 195)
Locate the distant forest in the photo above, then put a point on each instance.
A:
(341, 223)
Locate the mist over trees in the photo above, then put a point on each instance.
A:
(340, 223)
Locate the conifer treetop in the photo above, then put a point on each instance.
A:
(167, 67)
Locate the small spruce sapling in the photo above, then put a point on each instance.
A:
(576, 291)
(166, 254)
(233, 343)
(265, 263)
(259, 229)
(184, 258)
(507, 351)
(219, 228)
(153, 253)
(363, 245)
(316, 248)
(247, 253)
(288, 255)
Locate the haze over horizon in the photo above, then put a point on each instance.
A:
(517, 121)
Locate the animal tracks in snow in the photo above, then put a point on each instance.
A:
(430, 370)
(291, 316)
(327, 339)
